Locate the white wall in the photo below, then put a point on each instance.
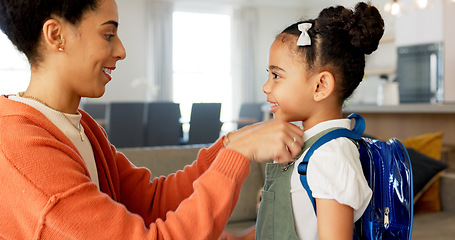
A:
(272, 19)
(449, 57)
(132, 32)
(429, 21)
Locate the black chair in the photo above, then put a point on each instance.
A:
(250, 113)
(205, 124)
(162, 125)
(125, 124)
(96, 110)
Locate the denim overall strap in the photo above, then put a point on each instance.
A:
(275, 217)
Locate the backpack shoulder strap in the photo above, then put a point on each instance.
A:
(353, 134)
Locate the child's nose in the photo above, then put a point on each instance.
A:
(266, 87)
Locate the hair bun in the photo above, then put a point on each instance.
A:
(367, 28)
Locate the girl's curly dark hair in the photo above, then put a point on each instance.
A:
(340, 39)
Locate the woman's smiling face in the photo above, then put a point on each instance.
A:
(93, 48)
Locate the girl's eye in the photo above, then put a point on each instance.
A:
(109, 36)
(275, 75)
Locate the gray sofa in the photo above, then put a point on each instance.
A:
(438, 225)
(166, 160)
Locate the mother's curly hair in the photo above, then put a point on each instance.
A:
(22, 20)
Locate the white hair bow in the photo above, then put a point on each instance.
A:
(304, 39)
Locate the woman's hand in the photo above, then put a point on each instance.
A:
(273, 139)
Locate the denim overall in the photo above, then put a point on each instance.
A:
(275, 218)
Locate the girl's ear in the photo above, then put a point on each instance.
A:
(53, 34)
(324, 86)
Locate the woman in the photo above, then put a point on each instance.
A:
(62, 179)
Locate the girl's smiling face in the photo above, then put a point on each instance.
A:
(289, 88)
(92, 48)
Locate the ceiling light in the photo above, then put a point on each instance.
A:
(423, 3)
(395, 9)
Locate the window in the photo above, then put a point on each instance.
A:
(201, 61)
(14, 68)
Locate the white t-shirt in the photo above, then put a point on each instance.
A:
(334, 172)
(68, 126)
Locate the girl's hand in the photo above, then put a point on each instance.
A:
(273, 139)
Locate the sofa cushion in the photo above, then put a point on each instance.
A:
(429, 144)
(425, 171)
(162, 161)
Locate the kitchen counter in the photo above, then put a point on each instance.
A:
(407, 120)
(422, 108)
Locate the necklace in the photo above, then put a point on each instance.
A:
(78, 127)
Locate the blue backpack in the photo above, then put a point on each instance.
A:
(387, 169)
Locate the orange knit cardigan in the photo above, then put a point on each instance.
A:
(46, 192)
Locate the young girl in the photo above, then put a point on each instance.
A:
(313, 67)
(62, 179)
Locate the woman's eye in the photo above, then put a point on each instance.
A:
(109, 36)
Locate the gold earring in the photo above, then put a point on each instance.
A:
(61, 42)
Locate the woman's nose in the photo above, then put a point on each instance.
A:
(119, 51)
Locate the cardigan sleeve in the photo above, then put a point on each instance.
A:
(47, 194)
(202, 215)
(153, 199)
